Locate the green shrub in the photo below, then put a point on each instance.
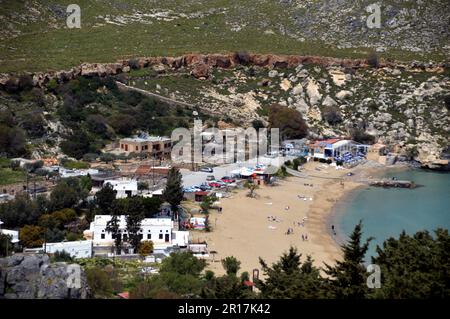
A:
(75, 165)
(52, 85)
(99, 282)
(133, 64)
(63, 256)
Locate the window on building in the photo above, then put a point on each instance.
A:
(137, 148)
(160, 236)
(103, 236)
(149, 236)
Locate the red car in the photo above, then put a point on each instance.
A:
(227, 179)
(215, 184)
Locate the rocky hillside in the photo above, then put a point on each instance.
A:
(403, 105)
(34, 277)
(34, 35)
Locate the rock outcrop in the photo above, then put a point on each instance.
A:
(201, 65)
(34, 277)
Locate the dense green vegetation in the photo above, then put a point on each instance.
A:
(411, 267)
(9, 176)
(92, 112)
(289, 121)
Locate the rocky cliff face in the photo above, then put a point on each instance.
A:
(33, 276)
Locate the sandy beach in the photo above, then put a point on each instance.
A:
(249, 228)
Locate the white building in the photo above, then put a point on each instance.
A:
(13, 233)
(123, 187)
(76, 249)
(337, 148)
(180, 238)
(66, 173)
(158, 230)
(6, 197)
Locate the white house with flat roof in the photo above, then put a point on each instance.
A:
(158, 230)
(76, 249)
(14, 234)
(123, 187)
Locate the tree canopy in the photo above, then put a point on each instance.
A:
(173, 193)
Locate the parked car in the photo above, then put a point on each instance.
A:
(207, 169)
(192, 189)
(205, 187)
(227, 179)
(210, 178)
(216, 184)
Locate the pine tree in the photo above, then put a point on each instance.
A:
(289, 278)
(113, 227)
(348, 278)
(414, 267)
(231, 265)
(134, 219)
(173, 192)
(105, 198)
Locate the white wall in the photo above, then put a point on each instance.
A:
(76, 249)
(151, 229)
(13, 233)
(180, 238)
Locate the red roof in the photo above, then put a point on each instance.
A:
(124, 295)
(201, 193)
(248, 283)
(326, 142)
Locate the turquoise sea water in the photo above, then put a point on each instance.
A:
(386, 212)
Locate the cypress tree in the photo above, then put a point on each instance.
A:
(173, 193)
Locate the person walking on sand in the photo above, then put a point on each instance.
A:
(303, 237)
